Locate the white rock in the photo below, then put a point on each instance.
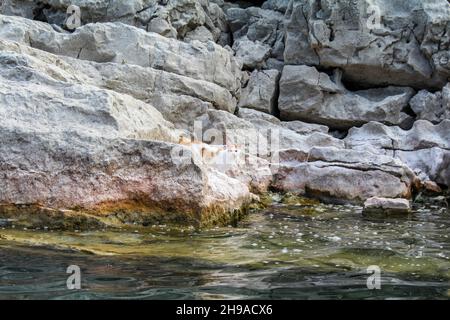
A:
(304, 127)
(200, 33)
(253, 115)
(66, 146)
(425, 147)
(308, 95)
(259, 25)
(374, 47)
(387, 206)
(252, 54)
(261, 136)
(123, 44)
(180, 99)
(343, 175)
(433, 107)
(175, 18)
(261, 92)
(163, 27)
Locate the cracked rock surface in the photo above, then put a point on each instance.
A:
(188, 111)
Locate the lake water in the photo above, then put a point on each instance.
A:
(283, 252)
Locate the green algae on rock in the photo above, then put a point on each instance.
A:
(281, 237)
(116, 215)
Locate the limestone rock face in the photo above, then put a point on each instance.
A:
(54, 11)
(252, 54)
(173, 19)
(262, 119)
(201, 34)
(76, 146)
(276, 5)
(422, 135)
(261, 136)
(259, 25)
(32, 97)
(343, 175)
(375, 43)
(179, 98)
(434, 107)
(312, 96)
(424, 148)
(255, 115)
(261, 92)
(123, 44)
(162, 27)
(304, 127)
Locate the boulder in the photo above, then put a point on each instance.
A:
(375, 42)
(261, 92)
(253, 115)
(304, 127)
(252, 54)
(424, 148)
(258, 25)
(254, 172)
(423, 135)
(276, 64)
(163, 27)
(431, 164)
(200, 33)
(386, 206)
(434, 107)
(342, 175)
(276, 5)
(312, 96)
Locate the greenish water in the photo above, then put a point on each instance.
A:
(283, 252)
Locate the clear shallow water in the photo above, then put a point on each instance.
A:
(284, 252)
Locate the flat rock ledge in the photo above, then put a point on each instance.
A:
(387, 206)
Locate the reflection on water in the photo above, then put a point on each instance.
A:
(284, 252)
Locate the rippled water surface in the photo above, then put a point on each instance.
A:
(284, 252)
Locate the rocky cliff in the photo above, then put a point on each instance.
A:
(184, 110)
